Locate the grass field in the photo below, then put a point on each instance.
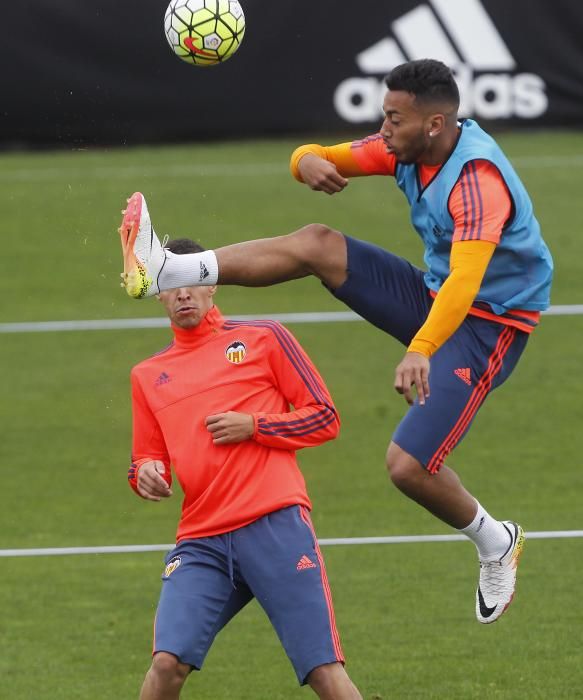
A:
(79, 627)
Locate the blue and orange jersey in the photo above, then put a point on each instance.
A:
(254, 367)
(477, 225)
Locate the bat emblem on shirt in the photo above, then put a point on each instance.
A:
(236, 352)
(172, 565)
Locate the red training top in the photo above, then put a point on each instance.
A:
(254, 367)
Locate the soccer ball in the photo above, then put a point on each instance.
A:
(204, 32)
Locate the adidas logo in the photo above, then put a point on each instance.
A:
(462, 35)
(162, 379)
(203, 272)
(305, 563)
(464, 375)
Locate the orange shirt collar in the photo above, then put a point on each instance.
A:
(209, 326)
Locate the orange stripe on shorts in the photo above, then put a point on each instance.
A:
(476, 399)
(327, 592)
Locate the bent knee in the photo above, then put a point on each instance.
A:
(323, 252)
(169, 668)
(315, 236)
(403, 468)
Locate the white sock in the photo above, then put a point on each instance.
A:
(189, 270)
(489, 535)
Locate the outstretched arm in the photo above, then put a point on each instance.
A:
(469, 261)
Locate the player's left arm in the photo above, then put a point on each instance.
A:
(230, 427)
(468, 263)
(480, 206)
(314, 419)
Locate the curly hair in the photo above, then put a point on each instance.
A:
(429, 80)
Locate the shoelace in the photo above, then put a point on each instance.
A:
(495, 577)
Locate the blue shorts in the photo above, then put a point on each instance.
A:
(390, 293)
(275, 559)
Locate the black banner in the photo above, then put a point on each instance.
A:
(101, 72)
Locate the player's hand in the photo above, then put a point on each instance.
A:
(151, 483)
(230, 427)
(413, 371)
(321, 175)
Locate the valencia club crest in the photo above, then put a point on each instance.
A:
(172, 565)
(236, 352)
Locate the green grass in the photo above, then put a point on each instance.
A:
(80, 627)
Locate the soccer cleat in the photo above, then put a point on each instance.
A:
(498, 578)
(143, 254)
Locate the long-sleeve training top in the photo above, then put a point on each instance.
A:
(254, 367)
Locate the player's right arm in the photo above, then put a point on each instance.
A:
(326, 168)
(151, 481)
(149, 475)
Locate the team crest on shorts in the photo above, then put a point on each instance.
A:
(236, 352)
(172, 565)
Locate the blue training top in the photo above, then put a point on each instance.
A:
(520, 272)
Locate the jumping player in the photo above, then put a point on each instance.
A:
(466, 319)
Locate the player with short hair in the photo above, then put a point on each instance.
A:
(467, 318)
(216, 405)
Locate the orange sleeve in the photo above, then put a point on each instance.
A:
(148, 441)
(479, 203)
(314, 419)
(340, 155)
(468, 263)
(352, 159)
(371, 155)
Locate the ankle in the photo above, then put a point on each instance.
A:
(488, 534)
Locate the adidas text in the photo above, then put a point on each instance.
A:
(489, 85)
(305, 563)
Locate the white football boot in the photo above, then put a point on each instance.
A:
(143, 254)
(498, 578)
